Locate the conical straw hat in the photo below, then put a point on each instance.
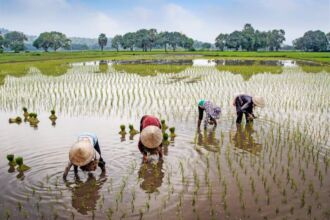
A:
(258, 101)
(151, 136)
(81, 153)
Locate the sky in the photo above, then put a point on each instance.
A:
(201, 20)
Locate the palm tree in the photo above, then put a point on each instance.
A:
(103, 40)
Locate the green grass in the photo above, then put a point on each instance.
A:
(323, 57)
(315, 69)
(248, 70)
(149, 69)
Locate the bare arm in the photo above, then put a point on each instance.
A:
(66, 171)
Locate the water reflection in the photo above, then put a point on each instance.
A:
(208, 140)
(86, 194)
(152, 174)
(243, 139)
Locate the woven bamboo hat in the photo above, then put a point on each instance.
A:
(81, 153)
(151, 136)
(258, 101)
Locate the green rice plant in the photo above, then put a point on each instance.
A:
(172, 132)
(21, 167)
(122, 130)
(165, 139)
(52, 115)
(17, 120)
(19, 206)
(302, 199)
(292, 210)
(132, 130)
(10, 158)
(163, 124)
(25, 112)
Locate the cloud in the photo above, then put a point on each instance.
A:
(199, 20)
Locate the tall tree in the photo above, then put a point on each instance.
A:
(206, 46)
(142, 39)
(164, 39)
(234, 40)
(260, 40)
(2, 43)
(15, 41)
(59, 40)
(128, 41)
(248, 39)
(312, 41)
(275, 39)
(175, 38)
(44, 41)
(103, 40)
(116, 42)
(220, 41)
(152, 35)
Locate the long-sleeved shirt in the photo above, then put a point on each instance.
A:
(146, 121)
(244, 103)
(94, 141)
(211, 111)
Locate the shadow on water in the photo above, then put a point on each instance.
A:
(208, 140)
(243, 139)
(152, 175)
(86, 194)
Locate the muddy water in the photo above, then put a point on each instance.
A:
(275, 169)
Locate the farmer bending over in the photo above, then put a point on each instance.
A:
(212, 113)
(86, 154)
(245, 104)
(151, 137)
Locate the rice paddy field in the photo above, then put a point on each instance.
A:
(275, 168)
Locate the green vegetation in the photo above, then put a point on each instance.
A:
(10, 158)
(21, 166)
(122, 130)
(315, 69)
(312, 41)
(53, 40)
(250, 39)
(103, 40)
(247, 71)
(17, 120)
(149, 69)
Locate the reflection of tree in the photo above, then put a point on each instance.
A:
(244, 140)
(86, 194)
(152, 176)
(208, 140)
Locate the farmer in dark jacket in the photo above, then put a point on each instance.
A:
(245, 104)
(151, 137)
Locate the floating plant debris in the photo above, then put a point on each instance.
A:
(52, 116)
(10, 158)
(21, 166)
(172, 132)
(132, 130)
(122, 130)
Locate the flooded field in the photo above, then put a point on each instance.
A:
(276, 168)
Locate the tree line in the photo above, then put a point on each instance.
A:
(248, 39)
(148, 39)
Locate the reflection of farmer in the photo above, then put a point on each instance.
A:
(212, 113)
(152, 176)
(86, 154)
(86, 194)
(208, 140)
(151, 137)
(244, 140)
(245, 104)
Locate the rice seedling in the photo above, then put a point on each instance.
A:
(17, 120)
(163, 124)
(172, 132)
(122, 130)
(33, 119)
(10, 158)
(52, 116)
(21, 166)
(165, 139)
(132, 130)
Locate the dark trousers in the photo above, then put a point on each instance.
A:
(240, 113)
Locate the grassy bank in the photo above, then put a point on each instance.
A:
(321, 57)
